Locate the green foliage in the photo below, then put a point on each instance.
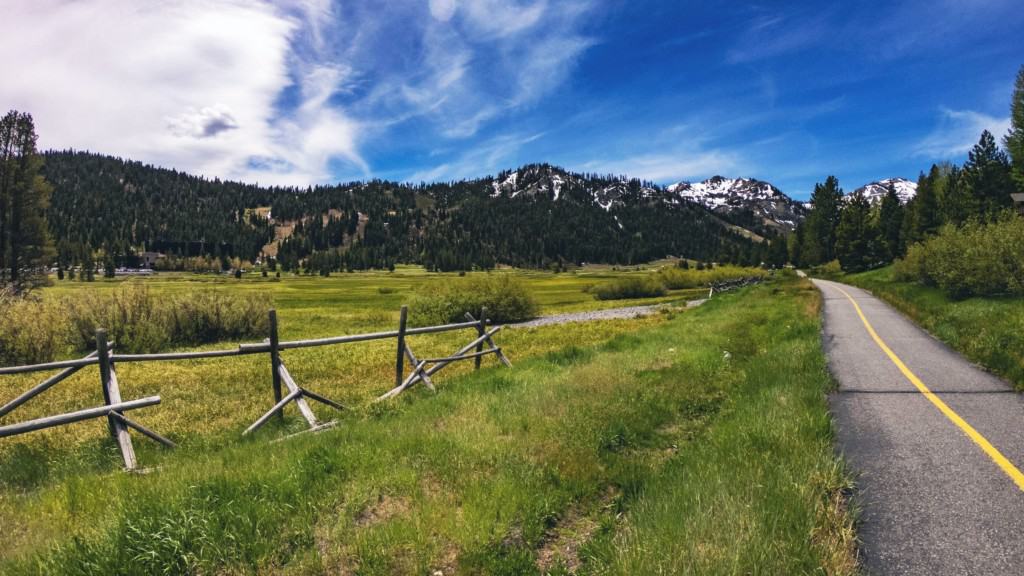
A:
(630, 287)
(30, 330)
(506, 298)
(676, 279)
(25, 247)
(819, 234)
(987, 177)
(890, 223)
(857, 237)
(1014, 140)
(976, 259)
(38, 330)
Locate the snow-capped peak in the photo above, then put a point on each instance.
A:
(875, 191)
(727, 195)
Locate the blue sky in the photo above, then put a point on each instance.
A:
(312, 91)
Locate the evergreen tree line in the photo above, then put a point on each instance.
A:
(106, 211)
(862, 236)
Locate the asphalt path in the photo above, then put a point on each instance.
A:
(937, 444)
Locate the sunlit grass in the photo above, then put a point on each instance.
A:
(690, 440)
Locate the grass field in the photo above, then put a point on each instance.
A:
(987, 330)
(696, 441)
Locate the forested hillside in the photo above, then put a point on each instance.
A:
(538, 216)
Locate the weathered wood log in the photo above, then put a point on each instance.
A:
(468, 356)
(80, 363)
(71, 417)
(275, 358)
(420, 373)
(304, 408)
(277, 408)
(142, 429)
(403, 316)
(42, 387)
(103, 357)
(183, 355)
(405, 383)
(121, 434)
(426, 379)
(292, 344)
(322, 399)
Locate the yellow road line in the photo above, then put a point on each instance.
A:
(973, 434)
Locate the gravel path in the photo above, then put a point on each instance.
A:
(607, 314)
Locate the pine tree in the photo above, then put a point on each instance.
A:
(25, 247)
(856, 236)
(890, 222)
(926, 218)
(821, 224)
(1014, 139)
(987, 177)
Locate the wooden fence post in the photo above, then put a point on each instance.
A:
(103, 355)
(403, 317)
(480, 330)
(275, 359)
(112, 396)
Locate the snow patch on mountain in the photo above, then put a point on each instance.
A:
(875, 191)
(733, 195)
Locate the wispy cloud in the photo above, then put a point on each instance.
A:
(769, 36)
(956, 132)
(488, 157)
(278, 91)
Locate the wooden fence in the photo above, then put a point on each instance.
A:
(113, 408)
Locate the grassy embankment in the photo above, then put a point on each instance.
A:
(987, 330)
(699, 443)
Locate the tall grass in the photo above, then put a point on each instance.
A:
(506, 298)
(566, 456)
(657, 284)
(630, 287)
(39, 330)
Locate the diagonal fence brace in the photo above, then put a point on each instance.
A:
(297, 394)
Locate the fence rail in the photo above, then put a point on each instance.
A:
(106, 359)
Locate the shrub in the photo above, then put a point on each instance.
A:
(506, 298)
(976, 259)
(677, 278)
(630, 287)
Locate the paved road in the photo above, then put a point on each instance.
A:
(934, 499)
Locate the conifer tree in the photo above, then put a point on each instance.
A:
(987, 176)
(890, 222)
(25, 247)
(1014, 139)
(856, 237)
(821, 224)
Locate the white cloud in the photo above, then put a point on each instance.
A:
(189, 84)
(442, 9)
(957, 131)
(277, 91)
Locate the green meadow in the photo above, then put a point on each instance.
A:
(689, 441)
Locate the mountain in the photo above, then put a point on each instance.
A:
(110, 210)
(875, 191)
(747, 202)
